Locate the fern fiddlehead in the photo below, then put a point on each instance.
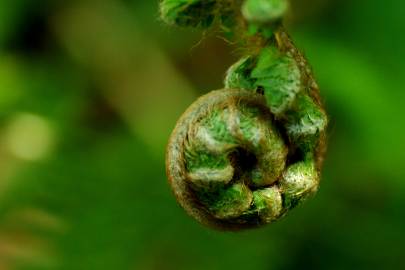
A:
(243, 156)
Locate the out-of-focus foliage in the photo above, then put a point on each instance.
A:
(89, 92)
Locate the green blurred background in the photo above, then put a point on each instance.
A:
(89, 93)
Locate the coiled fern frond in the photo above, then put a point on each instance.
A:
(245, 155)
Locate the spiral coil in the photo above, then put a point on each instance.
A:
(245, 155)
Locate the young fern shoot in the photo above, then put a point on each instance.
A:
(243, 156)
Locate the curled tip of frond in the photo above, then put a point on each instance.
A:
(244, 156)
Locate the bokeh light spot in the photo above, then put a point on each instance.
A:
(29, 137)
